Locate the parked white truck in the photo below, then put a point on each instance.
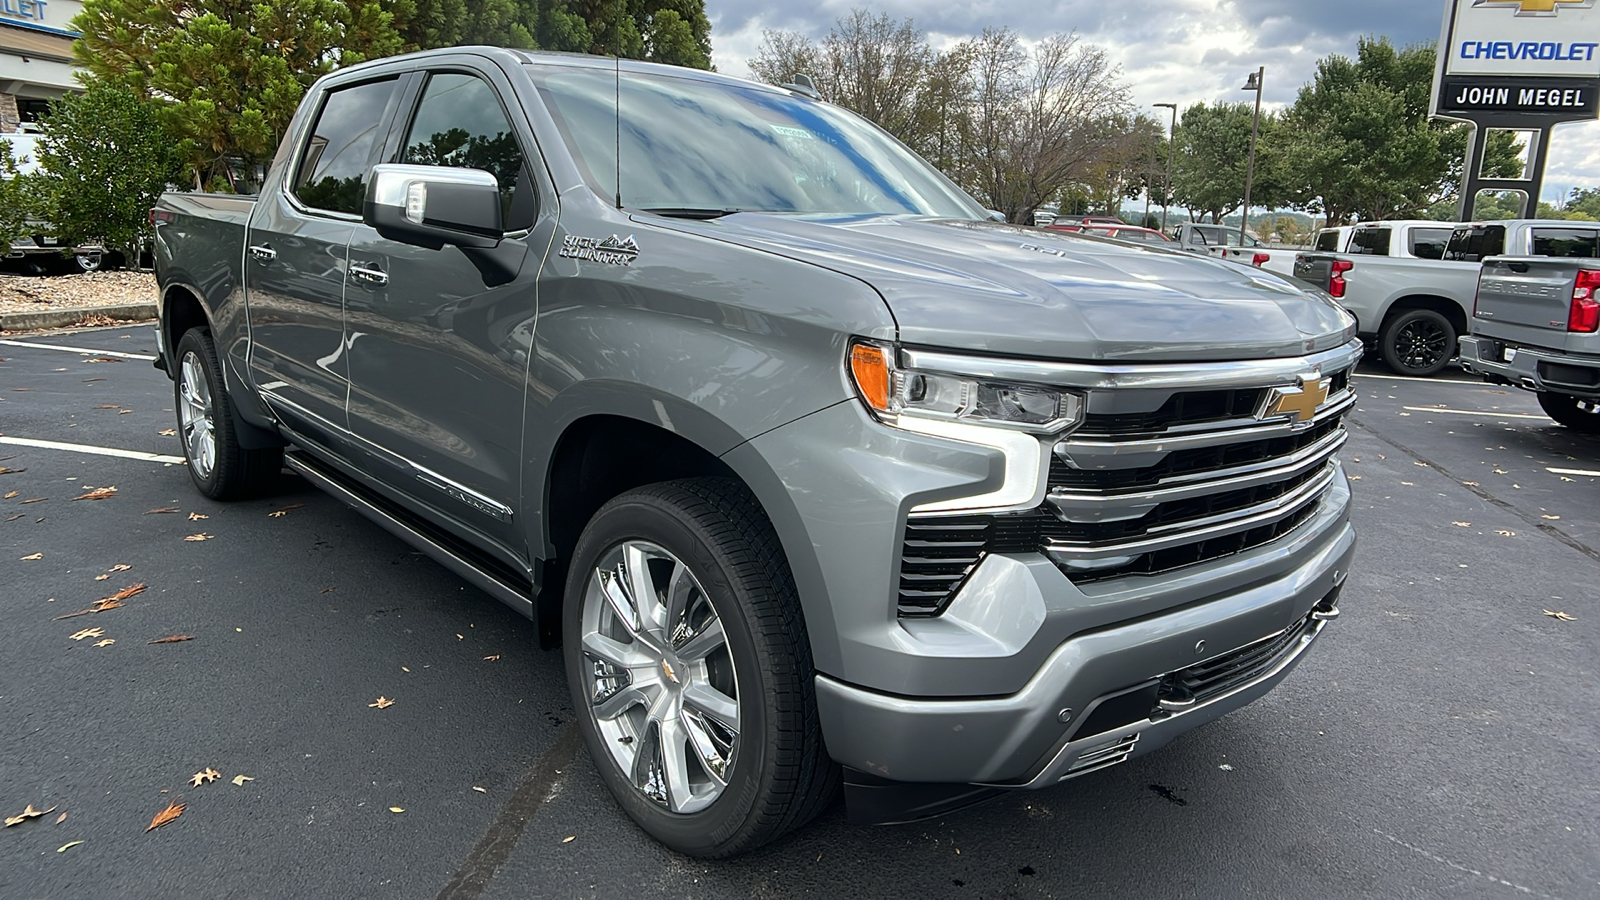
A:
(1415, 304)
(1222, 241)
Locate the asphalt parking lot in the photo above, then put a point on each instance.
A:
(1440, 742)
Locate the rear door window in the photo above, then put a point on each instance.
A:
(1473, 244)
(1570, 243)
(332, 173)
(1429, 243)
(1328, 240)
(1370, 241)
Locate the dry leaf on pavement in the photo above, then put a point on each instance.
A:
(1504, 533)
(241, 779)
(492, 658)
(381, 703)
(33, 556)
(1462, 524)
(204, 776)
(172, 639)
(280, 513)
(27, 813)
(195, 517)
(95, 493)
(1551, 518)
(119, 567)
(102, 359)
(173, 810)
(164, 509)
(11, 494)
(1560, 616)
(202, 536)
(569, 839)
(101, 577)
(105, 643)
(88, 633)
(67, 846)
(167, 432)
(126, 592)
(7, 471)
(98, 607)
(108, 406)
(480, 790)
(33, 500)
(61, 818)
(396, 809)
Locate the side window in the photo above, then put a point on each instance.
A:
(1328, 241)
(1370, 241)
(332, 174)
(461, 124)
(1564, 242)
(1473, 244)
(1429, 243)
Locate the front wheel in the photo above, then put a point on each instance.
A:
(1418, 342)
(219, 467)
(1577, 413)
(691, 671)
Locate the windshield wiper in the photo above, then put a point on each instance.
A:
(690, 212)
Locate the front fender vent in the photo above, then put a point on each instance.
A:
(936, 557)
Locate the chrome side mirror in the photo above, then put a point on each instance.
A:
(431, 206)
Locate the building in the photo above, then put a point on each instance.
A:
(35, 58)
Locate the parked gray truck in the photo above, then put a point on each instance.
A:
(1536, 325)
(816, 474)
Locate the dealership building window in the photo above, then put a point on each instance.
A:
(35, 59)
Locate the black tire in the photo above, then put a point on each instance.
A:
(1580, 415)
(1418, 342)
(780, 775)
(233, 472)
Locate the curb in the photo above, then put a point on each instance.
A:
(61, 318)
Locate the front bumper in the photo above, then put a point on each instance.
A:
(1117, 689)
(1532, 368)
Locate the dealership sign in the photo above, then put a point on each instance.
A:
(54, 16)
(1533, 58)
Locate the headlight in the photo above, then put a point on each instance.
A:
(893, 392)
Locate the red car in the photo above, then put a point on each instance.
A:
(1121, 232)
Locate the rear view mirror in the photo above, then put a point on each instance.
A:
(431, 206)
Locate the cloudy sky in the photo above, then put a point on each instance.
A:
(1183, 51)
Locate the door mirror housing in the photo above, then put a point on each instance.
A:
(431, 206)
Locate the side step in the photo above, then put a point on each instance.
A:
(399, 524)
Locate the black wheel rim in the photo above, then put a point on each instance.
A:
(1422, 345)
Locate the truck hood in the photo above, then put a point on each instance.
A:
(1015, 291)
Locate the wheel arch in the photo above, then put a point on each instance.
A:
(182, 308)
(1453, 310)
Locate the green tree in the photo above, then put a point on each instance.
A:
(676, 32)
(14, 198)
(1358, 140)
(1211, 160)
(228, 74)
(103, 162)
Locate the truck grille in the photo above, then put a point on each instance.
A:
(1218, 676)
(1198, 480)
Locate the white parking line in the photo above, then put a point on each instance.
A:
(1579, 472)
(86, 448)
(1475, 412)
(1428, 380)
(83, 350)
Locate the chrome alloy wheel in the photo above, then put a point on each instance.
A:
(660, 677)
(195, 415)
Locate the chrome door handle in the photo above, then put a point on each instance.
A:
(369, 275)
(263, 252)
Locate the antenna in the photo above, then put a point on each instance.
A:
(617, 100)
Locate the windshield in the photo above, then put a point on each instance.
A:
(689, 144)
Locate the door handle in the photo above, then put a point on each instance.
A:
(263, 252)
(369, 274)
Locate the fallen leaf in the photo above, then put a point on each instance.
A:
(280, 513)
(396, 809)
(61, 818)
(1406, 483)
(239, 780)
(172, 639)
(173, 810)
(1551, 518)
(195, 517)
(16, 517)
(119, 567)
(164, 509)
(34, 500)
(97, 607)
(1470, 483)
(27, 813)
(88, 633)
(326, 590)
(492, 658)
(108, 406)
(95, 493)
(6, 471)
(480, 790)
(167, 432)
(105, 643)
(202, 536)
(102, 359)
(126, 592)
(1462, 524)
(1504, 533)
(33, 557)
(123, 412)
(101, 577)
(67, 846)
(569, 839)
(204, 776)
(11, 494)
(1559, 616)
(381, 703)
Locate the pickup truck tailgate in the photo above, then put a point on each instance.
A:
(1314, 267)
(1531, 299)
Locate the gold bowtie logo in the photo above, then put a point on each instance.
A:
(1537, 7)
(1301, 403)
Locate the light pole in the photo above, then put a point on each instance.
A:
(1256, 80)
(1166, 192)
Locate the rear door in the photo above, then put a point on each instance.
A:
(295, 261)
(438, 347)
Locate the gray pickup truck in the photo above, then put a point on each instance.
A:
(816, 474)
(1536, 325)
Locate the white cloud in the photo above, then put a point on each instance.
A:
(1171, 51)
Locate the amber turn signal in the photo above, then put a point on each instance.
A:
(869, 365)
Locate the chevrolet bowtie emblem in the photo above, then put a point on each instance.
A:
(1300, 404)
(1537, 7)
